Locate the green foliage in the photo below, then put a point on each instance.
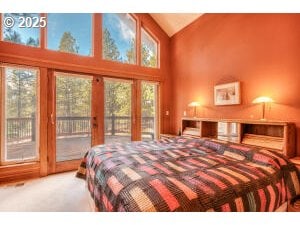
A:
(32, 42)
(73, 96)
(149, 59)
(117, 94)
(20, 93)
(117, 98)
(110, 49)
(68, 43)
(131, 53)
(148, 99)
(12, 36)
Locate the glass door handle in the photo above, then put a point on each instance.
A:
(52, 118)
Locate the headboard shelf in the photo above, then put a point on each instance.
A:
(278, 135)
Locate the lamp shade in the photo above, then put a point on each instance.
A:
(194, 104)
(263, 99)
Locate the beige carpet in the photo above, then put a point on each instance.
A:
(56, 193)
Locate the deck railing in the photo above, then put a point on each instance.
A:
(19, 129)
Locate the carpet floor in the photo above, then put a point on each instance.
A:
(55, 193)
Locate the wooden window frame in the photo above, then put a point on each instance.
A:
(43, 57)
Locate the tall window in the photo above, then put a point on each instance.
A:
(20, 130)
(117, 108)
(15, 28)
(70, 32)
(119, 38)
(149, 50)
(73, 116)
(149, 110)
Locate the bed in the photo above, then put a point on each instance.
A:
(188, 174)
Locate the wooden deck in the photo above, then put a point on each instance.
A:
(68, 148)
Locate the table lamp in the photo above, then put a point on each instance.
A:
(263, 100)
(195, 105)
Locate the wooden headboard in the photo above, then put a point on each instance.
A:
(278, 135)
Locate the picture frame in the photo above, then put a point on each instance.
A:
(227, 94)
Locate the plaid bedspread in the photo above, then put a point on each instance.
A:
(188, 175)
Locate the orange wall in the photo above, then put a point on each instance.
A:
(262, 51)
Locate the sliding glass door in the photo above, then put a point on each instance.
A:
(117, 110)
(20, 114)
(73, 116)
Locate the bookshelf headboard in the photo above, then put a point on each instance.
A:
(277, 135)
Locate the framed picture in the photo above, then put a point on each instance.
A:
(227, 94)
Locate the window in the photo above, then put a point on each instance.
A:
(21, 35)
(119, 38)
(149, 50)
(149, 111)
(117, 108)
(70, 33)
(20, 131)
(73, 116)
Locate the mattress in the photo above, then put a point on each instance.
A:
(188, 174)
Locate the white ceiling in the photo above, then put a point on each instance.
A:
(171, 23)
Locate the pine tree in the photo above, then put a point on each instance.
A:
(148, 57)
(32, 42)
(69, 87)
(21, 93)
(148, 100)
(12, 36)
(110, 49)
(68, 43)
(131, 53)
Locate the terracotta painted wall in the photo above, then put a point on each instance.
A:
(262, 51)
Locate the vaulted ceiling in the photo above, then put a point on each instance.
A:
(171, 23)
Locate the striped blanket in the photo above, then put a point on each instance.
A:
(188, 175)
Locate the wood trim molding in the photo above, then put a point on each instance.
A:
(1, 113)
(136, 114)
(67, 165)
(97, 111)
(43, 122)
(18, 172)
(51, 147)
